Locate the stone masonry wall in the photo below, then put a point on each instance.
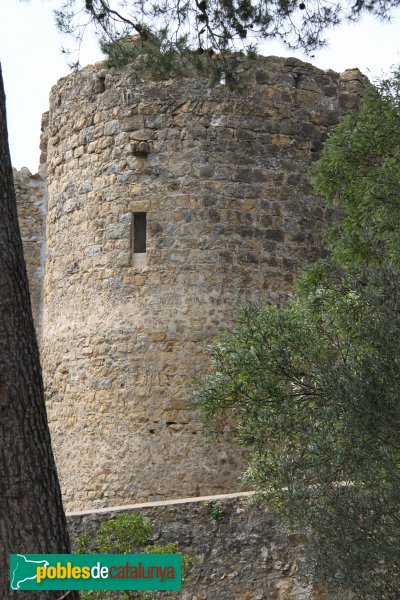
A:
(231, 217)
(31, 195)
(240, 553)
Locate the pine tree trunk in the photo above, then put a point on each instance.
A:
(32, 518)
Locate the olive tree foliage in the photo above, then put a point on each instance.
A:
(313, 387)
(215, 25)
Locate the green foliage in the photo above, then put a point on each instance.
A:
(121, 534)
(313, 387)
(165, 59)
(214, 509)
(360, 170)
(126, 534)
(159, 55)
(172, 548)
(82, 543)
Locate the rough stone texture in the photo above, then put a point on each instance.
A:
(31, 195)
(231, 217)
(244, 554)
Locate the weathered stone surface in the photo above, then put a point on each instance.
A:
(231, 218)
(240, 553)
(31, 196)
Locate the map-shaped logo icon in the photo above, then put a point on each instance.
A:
(24, 569)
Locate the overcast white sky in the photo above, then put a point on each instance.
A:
(32, 62)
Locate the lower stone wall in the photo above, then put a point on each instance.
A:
(239, 551)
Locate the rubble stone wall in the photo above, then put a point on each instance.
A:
(222, 175)
(239, 552)
(31, 195)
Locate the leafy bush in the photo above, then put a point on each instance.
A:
(126, 534)
(313, 387)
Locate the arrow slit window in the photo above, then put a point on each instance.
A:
(139, 239)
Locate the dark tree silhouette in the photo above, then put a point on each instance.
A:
(32, 519)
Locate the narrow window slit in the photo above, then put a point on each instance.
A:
(138, 239)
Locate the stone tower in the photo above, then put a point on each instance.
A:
(170, 204)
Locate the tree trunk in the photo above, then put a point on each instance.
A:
(32, 518)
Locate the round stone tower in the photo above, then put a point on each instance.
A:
(171, 203)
